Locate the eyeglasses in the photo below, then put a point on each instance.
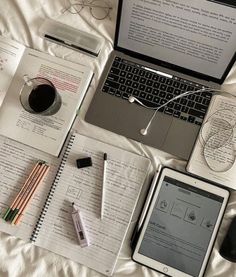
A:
(99, 9)
(216, 136)
(218, 140)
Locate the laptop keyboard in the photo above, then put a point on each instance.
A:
(127, 78)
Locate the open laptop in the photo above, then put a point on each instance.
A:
(170, 47)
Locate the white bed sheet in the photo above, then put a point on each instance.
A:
(20, 20)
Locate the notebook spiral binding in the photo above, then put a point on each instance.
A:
(51, 191)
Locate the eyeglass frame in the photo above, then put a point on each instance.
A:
(90, 5)
(203, 142)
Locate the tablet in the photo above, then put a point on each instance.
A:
(181, 225)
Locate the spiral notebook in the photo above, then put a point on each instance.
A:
(54, 230)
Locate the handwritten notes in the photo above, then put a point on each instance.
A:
(126, 173)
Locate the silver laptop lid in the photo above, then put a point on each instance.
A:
(193, 37)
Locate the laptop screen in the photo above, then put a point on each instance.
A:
(196, 37)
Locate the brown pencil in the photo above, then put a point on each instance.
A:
(20, 194)
(30, 195)
(30, 184)
(26, 191)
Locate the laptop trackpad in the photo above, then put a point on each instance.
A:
(181, 138)
(158, 131)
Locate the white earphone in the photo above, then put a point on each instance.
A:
(133, 99)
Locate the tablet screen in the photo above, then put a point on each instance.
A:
(180, 226)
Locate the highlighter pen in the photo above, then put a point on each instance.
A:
(79, 226)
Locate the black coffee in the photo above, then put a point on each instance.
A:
(41, 98)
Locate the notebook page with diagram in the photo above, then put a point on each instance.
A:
(125, 175)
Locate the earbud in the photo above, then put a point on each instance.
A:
(131, 99)
(143, 132)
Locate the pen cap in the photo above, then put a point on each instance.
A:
(84, 162)
(73, 208)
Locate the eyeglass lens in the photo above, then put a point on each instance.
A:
(219, 159)
(218, 141)
(99, 9)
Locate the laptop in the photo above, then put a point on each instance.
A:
(161, 49)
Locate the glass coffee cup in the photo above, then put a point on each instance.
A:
(39, 96)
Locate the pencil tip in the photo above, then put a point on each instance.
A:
(105, 156)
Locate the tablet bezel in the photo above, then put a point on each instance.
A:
(197, 183)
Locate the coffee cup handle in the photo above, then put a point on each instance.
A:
(27, 80)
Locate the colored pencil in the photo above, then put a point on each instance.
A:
(9, 211)
(15, 211)
(26, 191)
(30, 195)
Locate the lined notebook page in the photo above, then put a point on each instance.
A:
(126, 172)
(17, 161)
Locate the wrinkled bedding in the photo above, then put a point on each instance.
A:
(20, 20)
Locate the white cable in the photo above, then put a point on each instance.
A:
(133, 99)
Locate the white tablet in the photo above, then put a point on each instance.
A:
(181, 225)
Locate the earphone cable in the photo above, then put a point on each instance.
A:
(133, 99)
